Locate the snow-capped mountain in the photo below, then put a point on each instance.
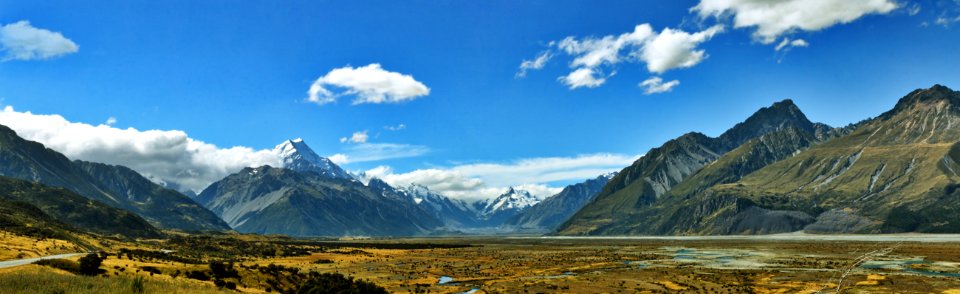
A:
(505, 206)
(513, 199)
(296, 155)
(554, 210)
(455, 213)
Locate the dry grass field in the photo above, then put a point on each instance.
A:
(258, 264)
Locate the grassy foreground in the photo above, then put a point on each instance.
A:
(36, 279)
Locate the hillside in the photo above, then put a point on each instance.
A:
(48, 211)
(115, 186)
(660, 169)
(895, 173)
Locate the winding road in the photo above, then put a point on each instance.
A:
(19, 262)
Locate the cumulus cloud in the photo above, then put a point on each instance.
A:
(369, 84)
(584, 77)
(676, 49)
(487, 180)
(356, 138)
(655, 85)
(110, 121)
(660, 52)
(775, 18)
(163, 156)
(21, 41)
(536, 63)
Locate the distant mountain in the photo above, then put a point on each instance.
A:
(494, 212)
(454, 213)
(296, 155)
(32, 207)
(554, 210)
(312, 196)
(115, 186)
(659, 170)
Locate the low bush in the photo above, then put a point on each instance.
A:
(67, 265)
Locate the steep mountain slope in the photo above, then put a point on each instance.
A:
(554, 210)
(270, 200)
(662, 168)
(27, 160)
(28, 204)
(494, 212)
(163, 206)
(677, 210)
(895, 173)
(296, 155)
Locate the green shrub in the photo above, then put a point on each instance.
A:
(335, 283)
(198, 275)
(90, 264)
(151, 269)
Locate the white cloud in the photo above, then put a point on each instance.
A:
(914, 9)
(395, 128)
(655, 85)
(676, 49)
(21, 41)
(357, 138)
(594, 52)
(339, 159)
(660, 52)
(369, 84)
(774, 18)
(487, 180)
(583, 77)
(169, 156)
(787, 44)
(111, 121)
(536, 63)
(945, 21)
(378, 151)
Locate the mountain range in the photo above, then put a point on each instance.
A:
(313, 197)
(777, 172)
(774, 172)
(548, 214)
(115, 186)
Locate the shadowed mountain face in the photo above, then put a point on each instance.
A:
(662, 168)
(270, 200)
(551, 212)
(26, 204)
(115, 186)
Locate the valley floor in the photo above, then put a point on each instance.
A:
(872, 264)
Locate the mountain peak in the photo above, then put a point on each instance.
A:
(296, 155)
(924, 96)
(775, 117)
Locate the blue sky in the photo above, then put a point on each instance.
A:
(236, 73)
